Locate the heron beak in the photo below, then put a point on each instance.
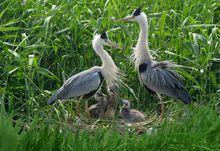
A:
(123, 106)
(123, 103)
(113, 45)
(128, 18)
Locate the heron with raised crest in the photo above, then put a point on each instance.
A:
(86, 83)
(157, 77)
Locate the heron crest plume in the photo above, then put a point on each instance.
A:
(104, 34)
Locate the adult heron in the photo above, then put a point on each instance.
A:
(157, 77)
(86, 83)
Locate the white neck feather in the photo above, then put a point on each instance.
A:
(141, 52)
(109, 69)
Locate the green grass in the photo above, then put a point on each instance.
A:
(42, 43)
(199, 130)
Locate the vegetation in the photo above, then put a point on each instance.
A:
(42, 43)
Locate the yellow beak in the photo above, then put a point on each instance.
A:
(129, 18)
(113, 45)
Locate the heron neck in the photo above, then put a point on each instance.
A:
(143, 38)
(107, 60)
(110, 70)
(142, 44)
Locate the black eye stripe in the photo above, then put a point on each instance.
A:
(104, 35)
(137, 11)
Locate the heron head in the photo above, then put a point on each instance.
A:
(126, 104)
(103, 40)
(112, 90)
(99, 96)
(137, 15)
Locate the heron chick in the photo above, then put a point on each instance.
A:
(86, 83)
(105, 108)
(112, 102)
(131, 115)
(97, 110)
(157, 77)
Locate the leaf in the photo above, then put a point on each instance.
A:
(162, 22)
(46, 21)
(47, 73)
(12, 71)
(106, 3)
(4, 29)
(2, 13)
(23, 43)
(81, 60)
(195, 43)
(14, 53)
(31, 60)
(11, 22)
(201, 25)
(63, 30)
(185, 21)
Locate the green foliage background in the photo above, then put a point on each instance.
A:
(42, 43)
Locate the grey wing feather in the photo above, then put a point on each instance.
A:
(160, 78)
(78, 85)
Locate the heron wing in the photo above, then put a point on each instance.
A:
(158, 77)
(81, 84)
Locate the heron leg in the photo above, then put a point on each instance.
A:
(87, 110)
(162, 109)
(103, 107)
(78, 107)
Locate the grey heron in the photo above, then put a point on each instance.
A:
(131, 115)
(86, 83)
(157, 77)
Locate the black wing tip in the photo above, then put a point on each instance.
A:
(189, 101)
(186, 98)
(104, 34)
(50, 102)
